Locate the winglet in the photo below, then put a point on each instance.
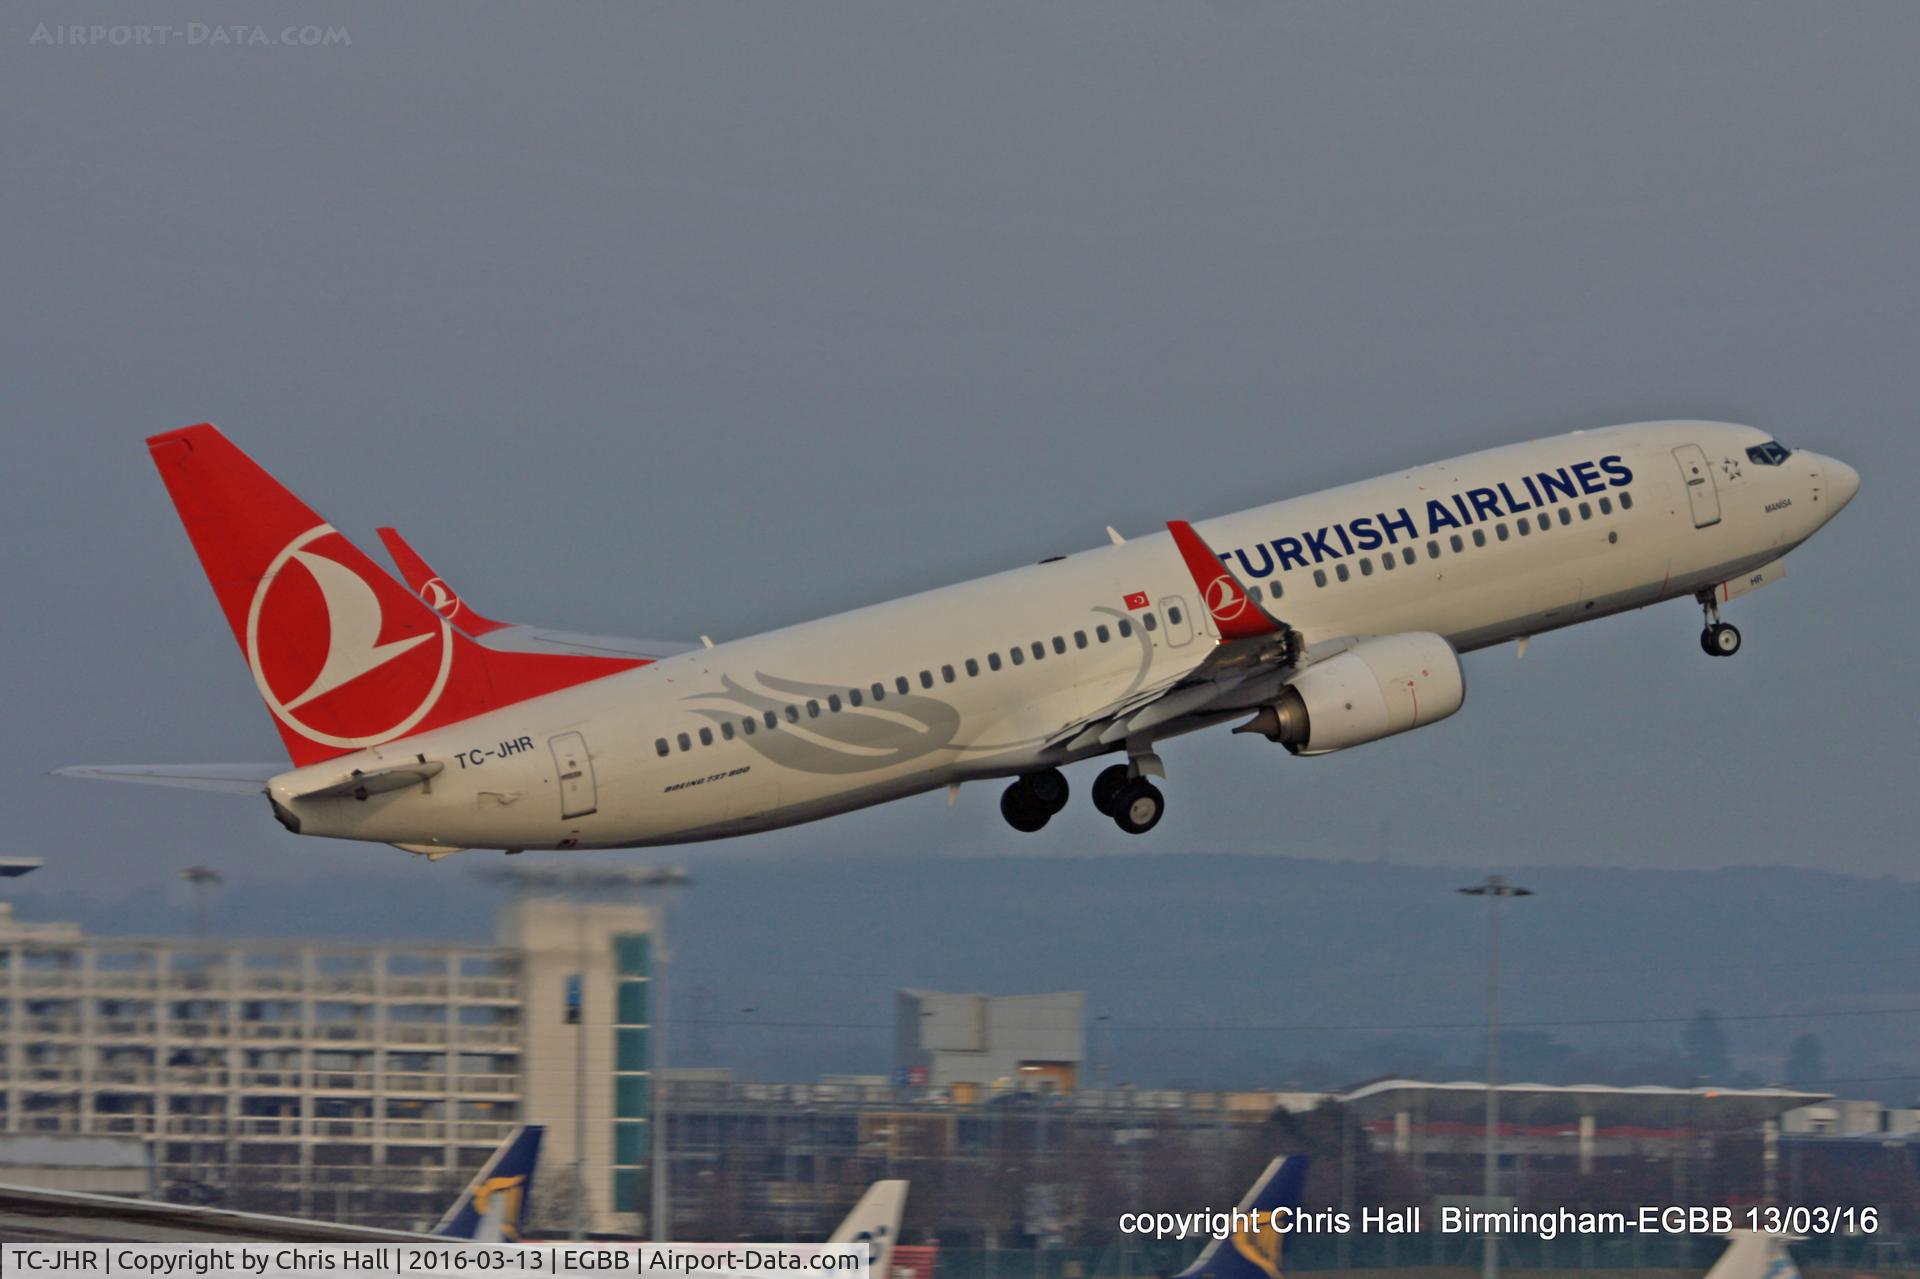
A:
(433, 589)
(1233, 609)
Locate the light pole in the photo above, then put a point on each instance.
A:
(580, 883)
(1493, 890)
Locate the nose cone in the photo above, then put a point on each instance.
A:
(1842, 483)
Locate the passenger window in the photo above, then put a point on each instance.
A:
(1366, 566)
(660, 745)
(726, 730)
(1152, 623)
(879, 692)
(1433, 550)
(853, 697)
(1606, 506)
(973, 666)
(1545, 523)
(1253, 593)
(993, 661)
(1626, 500)
(1173, 611)
(1059, 644)
(1387, 561)
(1319, 577)
(686, 743)
(1126, 628)
(926, 679)
(1479, 537)
(1100, 633)
(1342, 572)
(1524, 526)
(1040, 650)
(1566, 516)
(1586, 511)
(1079, 639)
(1017, 656)
(1500, 531)
(793, 714)
(772, 721)
(1407, 556)
(706, 737)
(1457, 544)
(833, 701)
(748, 726)
(813, 709)
(900, 682)
(946, 673)
(1173, 614)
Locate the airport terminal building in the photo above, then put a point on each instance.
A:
(348, 1081)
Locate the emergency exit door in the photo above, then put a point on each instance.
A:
(575, 767)
(1698, 476)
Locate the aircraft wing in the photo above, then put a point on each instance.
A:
(235, 779)
(1250, 642)
(511, 636)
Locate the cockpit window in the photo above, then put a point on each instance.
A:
(1772, 453)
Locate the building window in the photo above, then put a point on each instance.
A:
(632, 953)
(630, 1143)
(632, 1003)
(630, 1049)
(630, 1096)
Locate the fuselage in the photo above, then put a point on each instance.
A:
(987, 678)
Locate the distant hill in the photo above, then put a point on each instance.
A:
(1214, 970)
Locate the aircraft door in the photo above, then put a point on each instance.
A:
(575, 766)
(1697, 474)
(1179, 621)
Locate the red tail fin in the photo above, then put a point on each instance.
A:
(437, 593)
(344, 656)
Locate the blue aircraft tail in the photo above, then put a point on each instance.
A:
(491, 1207)
(1255, 1254)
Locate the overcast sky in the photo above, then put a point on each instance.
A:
(671, 319)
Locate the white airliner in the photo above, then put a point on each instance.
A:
(1321, 622)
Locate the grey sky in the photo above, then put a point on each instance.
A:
(708, 318)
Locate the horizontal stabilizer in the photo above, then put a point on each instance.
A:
(235, 779)
(361, 783)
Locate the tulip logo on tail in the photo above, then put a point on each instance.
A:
(439, 597)
(318, 630)
(1225, 600)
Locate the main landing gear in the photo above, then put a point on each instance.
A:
(1135, 804)
(1718, 638)
(1032, 800)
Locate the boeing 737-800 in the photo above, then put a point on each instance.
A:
(1320, 622)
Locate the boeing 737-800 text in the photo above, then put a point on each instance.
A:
(1321, 622)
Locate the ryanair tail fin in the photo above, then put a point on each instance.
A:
(875, 1220)
(1754, 1254)
(1256, 1253)
(494, 1203)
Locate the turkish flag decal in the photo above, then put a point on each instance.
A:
(1137, 600)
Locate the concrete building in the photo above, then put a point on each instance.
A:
(1029, 1042)
(362, 1083)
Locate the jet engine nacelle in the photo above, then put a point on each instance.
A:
(1379, 687)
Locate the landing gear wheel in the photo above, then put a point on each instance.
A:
(1720, 640)
(1138, 807)
(1047, 790)
(1109, 784)
(1017, 806)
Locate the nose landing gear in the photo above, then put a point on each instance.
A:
(1718, 638)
